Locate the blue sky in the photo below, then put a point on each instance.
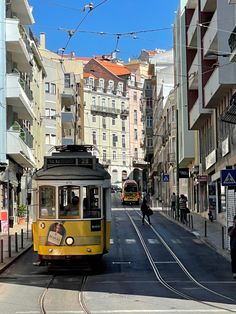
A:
(113, 17)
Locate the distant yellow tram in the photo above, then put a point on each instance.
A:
(73, 212)
(130, 192)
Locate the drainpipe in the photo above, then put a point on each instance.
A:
(3, 126)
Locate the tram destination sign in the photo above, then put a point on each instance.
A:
(51, 162)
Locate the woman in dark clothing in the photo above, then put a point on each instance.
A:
(144, 209)
(232, 234)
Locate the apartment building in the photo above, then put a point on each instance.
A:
(18, 59)
(211, 81)
(106, 116)
(60, 116)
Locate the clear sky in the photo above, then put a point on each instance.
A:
(109, 16)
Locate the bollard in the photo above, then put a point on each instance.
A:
(205, 228)
(223, 237)
(9, 246)
(16, 242)
(192, 221)
(22, 238)
(1, 250)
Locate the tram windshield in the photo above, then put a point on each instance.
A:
(91, 201)
(69, 202)
(47, 202)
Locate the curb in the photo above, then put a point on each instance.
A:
(8, 264)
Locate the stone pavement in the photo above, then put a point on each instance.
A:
(212, 233)
(20, 242)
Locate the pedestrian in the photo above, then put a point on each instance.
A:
(232, 234)
(145, 211)
(173, 202)
(183, 208)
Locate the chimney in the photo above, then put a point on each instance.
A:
(42, 40)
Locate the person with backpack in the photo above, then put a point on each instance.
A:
(146, 211)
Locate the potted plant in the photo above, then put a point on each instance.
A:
(21, 213)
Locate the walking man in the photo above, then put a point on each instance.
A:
(232, 234)
(144, 210)
(183, 208)
(173, 202)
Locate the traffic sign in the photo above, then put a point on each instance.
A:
(228, 177)
(166, 177)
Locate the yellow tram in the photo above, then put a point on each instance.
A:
(73, 212)
(130, 192)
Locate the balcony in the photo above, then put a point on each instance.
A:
(210, 40)
(219, 82)
(232, 1)
(68, 96)
(124, 113)
(19, 96)
(67, 119)
(18, 150)
(193, 74)
(197, 115)
(192, 30)
(103, 109)
(208, 5)
(18, 44)
(23, 11)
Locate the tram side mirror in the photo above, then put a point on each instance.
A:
(29, 198)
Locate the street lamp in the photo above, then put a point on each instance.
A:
(216, 54)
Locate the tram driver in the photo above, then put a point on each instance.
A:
(73, 208)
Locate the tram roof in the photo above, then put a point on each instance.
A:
(72, 173)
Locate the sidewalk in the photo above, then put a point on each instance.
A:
(212, 233)
(19, 244)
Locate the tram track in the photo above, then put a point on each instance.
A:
(182, 267)
(81, 299)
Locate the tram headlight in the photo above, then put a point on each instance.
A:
(42, 225)
(70, 241)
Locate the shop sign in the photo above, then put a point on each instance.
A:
(202, 178)
(225, 147)
(183, 172)
(211, 159)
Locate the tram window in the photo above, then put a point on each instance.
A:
(69, 202)
(91, 202)
(47, 202)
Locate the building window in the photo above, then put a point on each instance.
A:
(94, 135)
(53, 89)
(91, 81)
(135, 97)
(94, 103)
(149, 122)
(135, 153)
(104, 136)
(104, 155)
(120, 86)
(149, 142)
(135, 134)
(104, 123)
(123, 125)
(135, 117)
(47, 87)
(93, 118)
(114, 155)
(50, 139)
(149, 103)
(103, 104)
(114, 140)
(113, 104)
(111, 84)
(124, 158)
(101, 83)
(123, 141)
(122, 106)
(173, 113)
(113, 121)
(67, 80)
